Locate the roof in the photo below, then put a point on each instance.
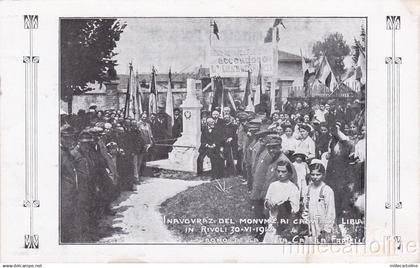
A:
(286, 56)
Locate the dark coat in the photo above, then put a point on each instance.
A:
(208, 138)
(177, 127)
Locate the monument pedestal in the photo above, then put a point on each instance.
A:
(184, 155)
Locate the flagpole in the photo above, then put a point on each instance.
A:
(275, 70)
(127, 98)
(212, 94)
(223, 95)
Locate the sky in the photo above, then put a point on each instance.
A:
(183, 43)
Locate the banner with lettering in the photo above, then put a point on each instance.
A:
(236, 61)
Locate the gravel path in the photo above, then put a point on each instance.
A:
(138, 217)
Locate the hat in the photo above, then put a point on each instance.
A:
(242, 116)
(96, 130)
(263, 133)
(161, 105)
(67, 130)
(107, 126)
(273, 140)
(317, 161)
(306, 127)
(111, 145)
(300, 154)
(100, 124)
(256, 121)
(315, 121)
(93, 106)
(85, 136)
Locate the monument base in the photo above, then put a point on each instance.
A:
(183, 158)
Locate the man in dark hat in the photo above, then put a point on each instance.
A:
(263, 174)
(69, 206)
(163, 132)
(230, 143)
(177, 127)
(251, 128)
(76, 190)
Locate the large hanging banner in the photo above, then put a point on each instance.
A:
(236, 61)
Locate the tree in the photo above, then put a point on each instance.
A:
(87, 54)
(335, 48)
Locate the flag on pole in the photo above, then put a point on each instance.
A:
(132, 105)
(128, 95)
(306, 74)
(221, 95)
(133, 94)
(169, 99)
(247, 90)
(247, 102)
(325, 74)
(153, 93)
(215, 29)
(361, 66)
(138, 98)
(258, 92)
(232, 102)
(277, 22)
(217, 92)
(269, 36)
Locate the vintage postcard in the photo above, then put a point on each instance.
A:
(214, 131)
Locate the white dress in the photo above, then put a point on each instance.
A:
(301, 171)
(278, 193)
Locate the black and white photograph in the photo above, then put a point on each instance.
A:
(209, 132)
(212, 130)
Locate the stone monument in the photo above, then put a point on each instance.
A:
(184, 155)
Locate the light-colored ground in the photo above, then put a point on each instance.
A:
(138, 212)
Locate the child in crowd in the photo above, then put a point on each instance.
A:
(302, 170)
(319, 205)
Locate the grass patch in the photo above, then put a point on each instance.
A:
(215, 208)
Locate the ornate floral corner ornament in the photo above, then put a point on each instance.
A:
(393, 63)
(31, 200)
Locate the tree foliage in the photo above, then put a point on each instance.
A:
(335, 48)
(87, 53)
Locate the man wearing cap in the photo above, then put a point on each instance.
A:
(69, 189)
(125, 163)
(252, 128)
(83, 167)
(259, 179)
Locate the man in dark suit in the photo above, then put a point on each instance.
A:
(177, 127)
(211, 140)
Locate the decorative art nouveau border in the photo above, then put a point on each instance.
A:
(31, 200)
(393, 63)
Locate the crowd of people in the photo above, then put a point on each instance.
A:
(103, 153)
(304, 161)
